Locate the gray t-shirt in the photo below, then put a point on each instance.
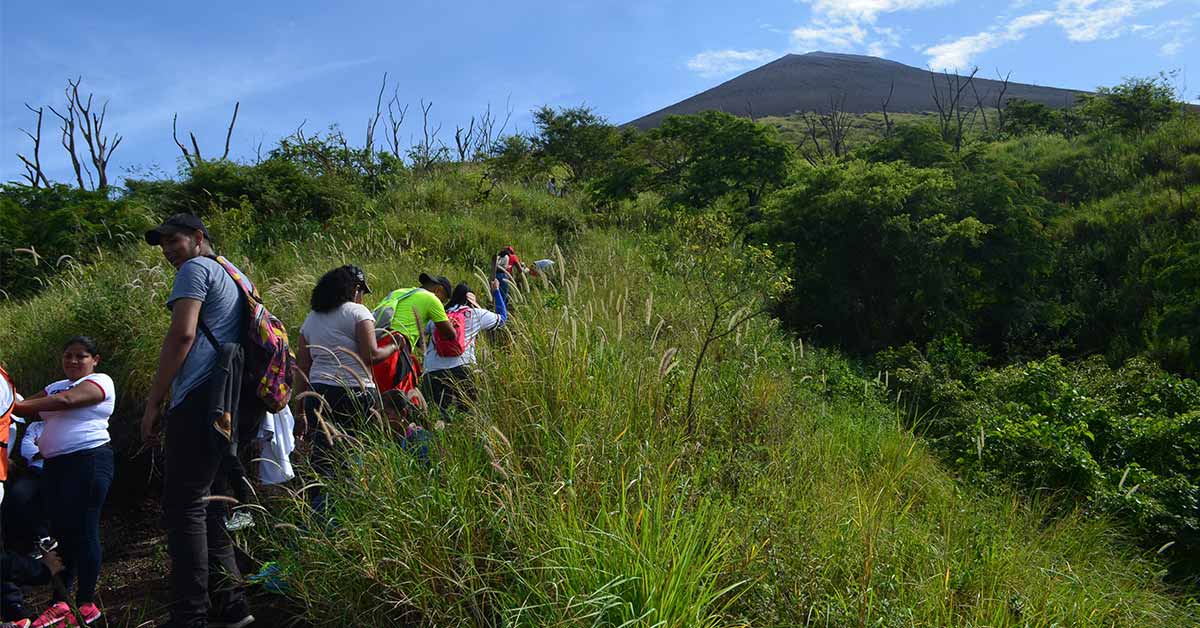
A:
(204, 280)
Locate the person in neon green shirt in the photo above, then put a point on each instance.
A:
(407, 309)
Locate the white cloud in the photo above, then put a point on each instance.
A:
(1172, 48)
(713, 63)
(957, 54)
(1090, 20)
(817, 36)
(858, 11)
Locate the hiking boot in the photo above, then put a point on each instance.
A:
(89, 612)
(17, 623)
(240, 520)
(53, 616)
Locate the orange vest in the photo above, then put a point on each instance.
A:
(6, 392)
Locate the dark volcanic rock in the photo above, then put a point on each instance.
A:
(796, 83)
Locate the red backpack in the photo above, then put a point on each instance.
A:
(453, 348)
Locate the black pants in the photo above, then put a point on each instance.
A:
(75, 486)
(17, 570)
(451, 389)
(348, 409)
(202, 559)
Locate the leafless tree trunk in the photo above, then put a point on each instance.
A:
(229, 133)
(887, 120)
(1000, 100)
(372, 122)
(194, 157)
(424, 155)
(69, 122)
(33, 168)
(396, 116)
(833, 127)
(92, 130)
(462, 140)
(952, 116)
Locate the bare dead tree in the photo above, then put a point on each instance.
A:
(229, 132)
(425, 154)
(374, 120)
(979, 107)
(1000, 100)
(33, 168)
(463, 140)
(396, 116)
(68, 124)
(750, 111)
(831, 127)
(887, 120)
(487, 131)
(91, 128)
(952, 115)
(194, 157)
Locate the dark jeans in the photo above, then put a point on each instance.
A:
(196, 465)
(348, 409)
(451, 389)
(75, 486)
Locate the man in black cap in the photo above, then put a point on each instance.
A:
(204, 297)
(406, 310)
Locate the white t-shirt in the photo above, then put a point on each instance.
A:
(68, 431)
(334, 346)
(29, 445)
(477, 319)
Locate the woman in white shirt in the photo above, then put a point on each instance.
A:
(451, 382)
(77, 470)
(336, 350)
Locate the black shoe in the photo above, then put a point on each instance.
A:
(238, 616)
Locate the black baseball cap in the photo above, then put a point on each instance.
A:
(427, 279)
(359, 276)
(178, 223)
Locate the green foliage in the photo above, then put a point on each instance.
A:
(920, 145)
(577, 138)
(44, 231)
(1124, 442)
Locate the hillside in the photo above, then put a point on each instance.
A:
(576, 491)
(796, 83)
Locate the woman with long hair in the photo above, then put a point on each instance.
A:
(336, 350)
(77, 472)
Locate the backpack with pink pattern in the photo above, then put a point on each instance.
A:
(269, 360)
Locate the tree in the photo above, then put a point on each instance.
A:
(710, 155)
(1135, 107)
(577, 138)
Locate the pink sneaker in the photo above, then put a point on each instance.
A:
(16, 623)
(90, 614)
(53, 616)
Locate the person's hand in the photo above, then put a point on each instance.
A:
(301, 426)
(53, 562)
(150, 426)
(471, 300)
(494, 285)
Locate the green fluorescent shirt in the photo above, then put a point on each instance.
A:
(396, 312)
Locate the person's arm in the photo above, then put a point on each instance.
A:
(185, 315)
(86, 394)
(300, 386)
(368, 348)
(499, 304)
(437, 314)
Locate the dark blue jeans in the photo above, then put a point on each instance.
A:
(74, 487)
(348, 409)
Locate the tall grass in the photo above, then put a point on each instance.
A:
(569, 496)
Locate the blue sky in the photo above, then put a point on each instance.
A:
(321, 62)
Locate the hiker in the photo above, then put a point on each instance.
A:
(399, 318)
(77, 470)
(552, 187)
(24, 519)
(506, 263)
(336, 350)
(208, 312)
(448, 364)
(18, 570)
